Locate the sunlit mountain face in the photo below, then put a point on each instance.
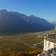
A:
(16, 22)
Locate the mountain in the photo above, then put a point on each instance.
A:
(11, 22)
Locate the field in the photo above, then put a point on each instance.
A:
(27, 44)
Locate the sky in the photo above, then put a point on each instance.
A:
(41, 8)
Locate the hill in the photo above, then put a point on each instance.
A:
(13, 22)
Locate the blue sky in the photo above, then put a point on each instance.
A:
(42, 8)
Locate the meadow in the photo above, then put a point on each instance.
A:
(27, 44)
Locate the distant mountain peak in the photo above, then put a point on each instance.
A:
(33, 16)
(3, 10)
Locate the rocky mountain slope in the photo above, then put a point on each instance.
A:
(12, 22)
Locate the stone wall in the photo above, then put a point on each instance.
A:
(48, 45)
(51, 52)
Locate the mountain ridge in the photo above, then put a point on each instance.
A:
(16, 22)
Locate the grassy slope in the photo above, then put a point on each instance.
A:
(20, 43)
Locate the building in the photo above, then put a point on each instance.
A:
(49, 41)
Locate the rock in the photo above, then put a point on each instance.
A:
(51, 52)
